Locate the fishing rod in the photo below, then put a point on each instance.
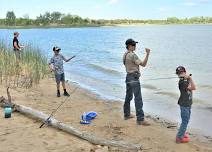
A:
(160, 78)
(155, 79)
(53, 112)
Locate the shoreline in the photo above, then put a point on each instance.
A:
(197, 106)
(96, 25)
(108, 124)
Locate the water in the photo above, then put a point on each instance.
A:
(98, 65)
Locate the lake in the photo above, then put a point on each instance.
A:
(98, 64)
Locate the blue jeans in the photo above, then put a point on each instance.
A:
(133, 87)
(185, 116)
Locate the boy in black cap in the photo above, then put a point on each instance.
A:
(186, 85)
(56, 65)
(132, 63)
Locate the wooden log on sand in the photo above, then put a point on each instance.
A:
(69, 129)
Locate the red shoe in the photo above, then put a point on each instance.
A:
(182, 140)
(186, 135)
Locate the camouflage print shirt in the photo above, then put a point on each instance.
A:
(57, 62)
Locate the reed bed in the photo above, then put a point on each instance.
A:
(24, 73)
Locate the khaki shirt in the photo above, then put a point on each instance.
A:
(132, 62)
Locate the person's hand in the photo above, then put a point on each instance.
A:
(51, 68)
(187, 77)
(147, 50)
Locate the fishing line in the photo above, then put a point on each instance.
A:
(155, 79)
(54, 111)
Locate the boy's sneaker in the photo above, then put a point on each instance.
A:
(144, 123)
(66, 94)
(129, 117)
(58, 94)
(182, 140)
(186, 135)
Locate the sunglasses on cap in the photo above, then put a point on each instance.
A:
(56, 49)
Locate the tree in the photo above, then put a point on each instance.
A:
(67, 19)
(173, 20)
(10, 18)
(56, 17)
(43, 19)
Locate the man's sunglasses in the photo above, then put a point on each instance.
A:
(133, 44)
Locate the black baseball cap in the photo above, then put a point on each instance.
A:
(130, 41)
(56, 48)
(180, 69)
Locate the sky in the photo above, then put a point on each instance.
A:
(110, 9)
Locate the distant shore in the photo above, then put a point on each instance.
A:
(92, 25)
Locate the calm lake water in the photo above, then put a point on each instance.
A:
(98, 65)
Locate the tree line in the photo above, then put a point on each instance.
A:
(60, 19)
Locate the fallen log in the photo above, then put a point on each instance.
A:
(69, 129)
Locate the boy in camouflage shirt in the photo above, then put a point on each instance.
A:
(56, 65)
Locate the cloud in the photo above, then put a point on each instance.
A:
(97, 7)
(204, 1)
(162, 9)
(190, 4)
(113, 2)
(196, 3)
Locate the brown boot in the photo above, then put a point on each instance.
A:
(129, 117)
(144, 123)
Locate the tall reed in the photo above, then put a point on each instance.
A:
(29, 70)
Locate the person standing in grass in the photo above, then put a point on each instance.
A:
(132, 64)
(56, 66)
(16, 46)
(186, 86)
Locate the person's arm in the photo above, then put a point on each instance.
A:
(144, 62)
(22, 46)
(50, 65)
(16, 46)
(191, 85)
(67, 60)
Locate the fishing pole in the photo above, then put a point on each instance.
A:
(155, 79)
(54, 111)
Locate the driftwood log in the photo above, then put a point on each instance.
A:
(29, 112)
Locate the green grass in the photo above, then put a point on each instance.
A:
(29, 70)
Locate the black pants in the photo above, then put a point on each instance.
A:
(133, 87)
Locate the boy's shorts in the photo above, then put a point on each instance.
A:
(59, 78)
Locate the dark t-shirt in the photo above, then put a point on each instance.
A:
(185, 99)
(15, 40)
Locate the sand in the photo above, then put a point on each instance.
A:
(22, 134)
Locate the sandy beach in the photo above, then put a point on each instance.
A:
(22, 134)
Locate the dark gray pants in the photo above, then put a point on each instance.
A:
(17, 54)
(133, 87)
